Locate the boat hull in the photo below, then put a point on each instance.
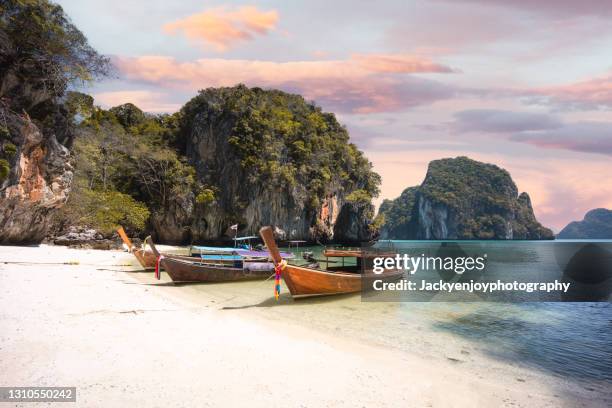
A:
(146, 259)
(312, 282)
(185, 271)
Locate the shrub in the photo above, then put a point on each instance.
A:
(206, 196)
(4, 170)
(9, 150)
(105, 211)
(359, 197)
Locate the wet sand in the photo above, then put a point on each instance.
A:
(89, 319)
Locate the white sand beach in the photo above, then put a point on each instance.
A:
(127, 340)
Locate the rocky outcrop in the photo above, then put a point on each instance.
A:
(353, 223)
(269, 158)
(397, 215)
(38, 180)
(82, 237)
(597, 224)
(464, 199)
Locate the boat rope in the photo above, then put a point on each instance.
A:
(157, 273)
(278, 268)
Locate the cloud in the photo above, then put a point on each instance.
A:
(222, 28)
(525, 30)
(589, 137)
(541, 130)
(499, 121)
(590, 94)
(360, 84)
(398, 63)
(146, 100)
(554, 8)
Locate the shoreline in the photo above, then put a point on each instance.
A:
(121, 337)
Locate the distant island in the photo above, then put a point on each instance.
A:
(461, 198)
(597, 224)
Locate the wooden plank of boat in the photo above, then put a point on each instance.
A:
(182, 270)
(304, 281)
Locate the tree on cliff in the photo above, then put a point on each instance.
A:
(41, 54)
(396, 215)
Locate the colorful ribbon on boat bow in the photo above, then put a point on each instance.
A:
(277, 275)
(157, 272)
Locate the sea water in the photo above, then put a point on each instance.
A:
(564, 339)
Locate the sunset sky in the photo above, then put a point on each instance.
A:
(524, 84)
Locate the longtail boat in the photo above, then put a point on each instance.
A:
(226, 255)
(305, 281)
(203, 270)
(147, 259)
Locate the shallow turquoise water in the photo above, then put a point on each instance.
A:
(569, 340)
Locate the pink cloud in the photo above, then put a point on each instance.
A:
(398, 63)
(362, 83)
(223, 28)
(595, 93)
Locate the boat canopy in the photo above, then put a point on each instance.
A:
(213, 249)
(356, 253)
(244, 253)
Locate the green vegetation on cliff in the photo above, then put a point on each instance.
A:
(281, 139)
(396, 215)
(122, 161)
(253, 147)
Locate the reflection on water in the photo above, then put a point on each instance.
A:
(567, 339)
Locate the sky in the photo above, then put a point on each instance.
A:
(523, 84)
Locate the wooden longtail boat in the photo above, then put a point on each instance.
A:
(199, 270)
(147, 259)
(305, 281)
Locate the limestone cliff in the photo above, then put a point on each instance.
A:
(37, 181)
(597, 224)
(464, 199)
(397, 215)
(266, 157)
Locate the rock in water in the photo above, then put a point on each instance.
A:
(38, 180)
(461, 198)
(597, 224)
(266, 157)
